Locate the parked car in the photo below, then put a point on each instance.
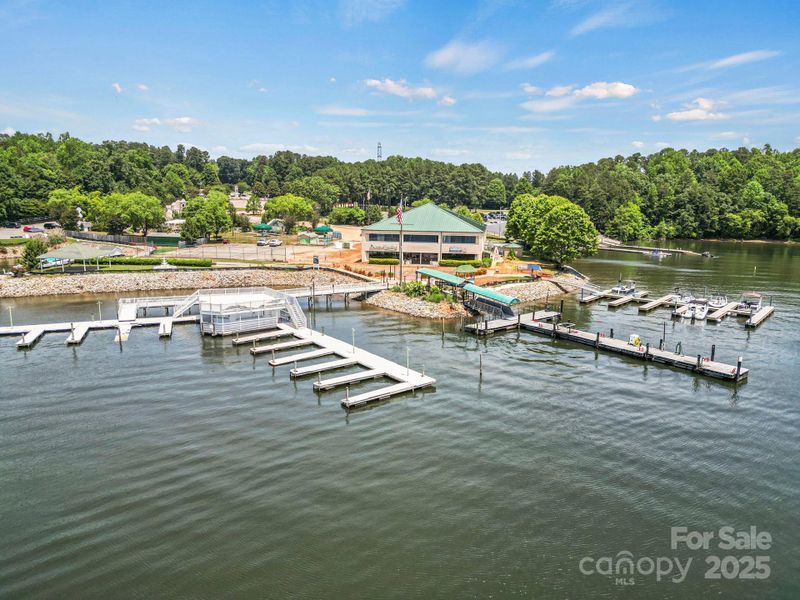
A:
(34, 230)
(52, 225)
(226, 241)
(12, 225)
(261, 243)
(27, 228)
(274, 242)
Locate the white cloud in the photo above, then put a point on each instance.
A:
(219, 149)
(179, 124)
(401, 88)
(116, 87)
(354, 12)
(601, 90)
(621, 14)
(637, 144)
(262, 90)
(343, 111)
(447, 101)
(743, 58)
(332, 80)
(559, 90)
(8, 131)
(182, 124)
(262, 148)
(564, 96)
(449, 152)
(531, 89)
(530, 62)
(663, 145)
(519, 155)
(142, 87)
(545, 106)
(701, 109)
(726, 135)
(464, 58)
(355, 151)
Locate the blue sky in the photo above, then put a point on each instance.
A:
(514, 85)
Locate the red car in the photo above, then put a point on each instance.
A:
(27, 228)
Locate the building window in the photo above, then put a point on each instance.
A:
(418, 237)
(453, 256)
(459, 239)
(383, 237)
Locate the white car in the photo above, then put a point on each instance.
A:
(261, 243)
(274, 242)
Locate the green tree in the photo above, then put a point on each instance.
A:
(289, 208)
(523, 186)
(464, 211)
(34, 247)
(253, 204)
(373, 214)
(566, 232)
(316, 189)
(496, 194)
(347, 216)
(141, 211)
(628, 223)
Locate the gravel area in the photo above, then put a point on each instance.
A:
(95, 283)
(416, 307)
(530, 291)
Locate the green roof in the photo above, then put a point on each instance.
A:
(442, 276)
(80, 252)
(429, 217)
(491, 294)
(465, 269)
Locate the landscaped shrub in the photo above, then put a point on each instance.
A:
(146, 260)
(384, 261)
(486, 261)
(450, 262)
(435, 295)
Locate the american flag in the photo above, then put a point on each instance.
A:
(400, 212)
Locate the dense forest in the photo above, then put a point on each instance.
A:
(744, 193)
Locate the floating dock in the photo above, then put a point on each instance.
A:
(348, 355)
(78, 330)
(496, 325)
(697, 364)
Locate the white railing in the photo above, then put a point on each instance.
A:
(187, 304)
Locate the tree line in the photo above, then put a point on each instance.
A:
(744, 193)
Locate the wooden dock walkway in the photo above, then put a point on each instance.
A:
(333, 382)
(265, 335)
(668, 300)
(626, 299)
(294, 358)
(332, 365)
(759, 316)
(698, 364)
(77, 334)
(495, 325)
(723, 312)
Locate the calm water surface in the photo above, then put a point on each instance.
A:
(185, 468)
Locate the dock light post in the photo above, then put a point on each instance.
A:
(408, 361)
(354, 340)
(99, 312)
(10, 316)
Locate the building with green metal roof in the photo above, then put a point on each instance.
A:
(430, 234)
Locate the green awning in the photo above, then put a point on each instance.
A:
(323, 229)
(442, 276)
(465, 269)
(490, 294)
(81, 252)
(262, 227)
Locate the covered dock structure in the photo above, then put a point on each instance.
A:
(78, 252)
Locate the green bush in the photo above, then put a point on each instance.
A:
(435, 295)
(449, 262)
(146, 260)
(486, 261)
(384, 261)
(33, 248)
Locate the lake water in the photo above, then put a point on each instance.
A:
(185, 468)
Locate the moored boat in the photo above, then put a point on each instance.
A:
(750, 301)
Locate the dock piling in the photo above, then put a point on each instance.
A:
(738, 368)
(647, 351)
(612, 333)
(713, 350)
(597, 340)
(699, 360)
(480, 365)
